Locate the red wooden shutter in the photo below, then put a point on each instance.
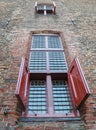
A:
(77, 83)
(22, 83)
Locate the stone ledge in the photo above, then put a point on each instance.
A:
(48, 119)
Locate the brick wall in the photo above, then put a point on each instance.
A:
(76, 21)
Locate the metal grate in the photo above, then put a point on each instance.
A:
(37, 97)
(62, 102)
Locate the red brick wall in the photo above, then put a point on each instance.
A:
(76, 20)
(19, 49)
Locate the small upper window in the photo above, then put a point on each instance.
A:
(45, 8)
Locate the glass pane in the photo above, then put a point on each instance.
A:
(57, 61)
(38, 41)
(62, 101)
(37, 99)
(54, 42)
(48, 7)
(37, 61)
(40, 7)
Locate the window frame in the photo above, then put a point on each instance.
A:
(49, 74)
(44, 10)
(53, 74)
(49, 101)
(47, 51)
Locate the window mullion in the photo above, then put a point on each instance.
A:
(46, 42)
(49, 95)
(45, 10)
(47, 60)
(47, 54)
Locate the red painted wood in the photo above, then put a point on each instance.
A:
(49, 95)
(22, 82)
(77, 83)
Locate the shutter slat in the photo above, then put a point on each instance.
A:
(77, 83)
(22, 83)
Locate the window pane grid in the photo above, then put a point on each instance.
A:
(38, 41)
(48, 7)
(57, 61)
(37, 60)
(40, 7)
(37, 98)
(46, 57)
(54, 42)
(61, 97)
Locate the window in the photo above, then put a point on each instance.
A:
(45, 8)
(48, 88)
(37, 97)
(47, 55)
(61, 97)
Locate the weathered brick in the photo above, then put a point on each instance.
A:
(76, 21)
(52, 128)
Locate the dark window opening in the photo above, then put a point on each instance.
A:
(45, 8)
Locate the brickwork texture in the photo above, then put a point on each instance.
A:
(76, 21)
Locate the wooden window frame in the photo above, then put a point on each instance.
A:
(45, 5)
(25, 75)
(47, 51)
(49, 102)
